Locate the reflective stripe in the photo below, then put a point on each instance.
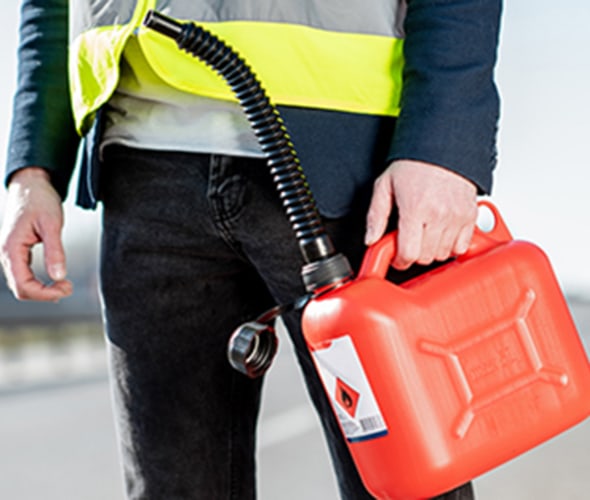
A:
(328, 64)
(89, 14)
(323, 69)
(374, 17)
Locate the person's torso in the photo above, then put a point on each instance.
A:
(340, 61)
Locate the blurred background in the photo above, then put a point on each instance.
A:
(56, 436)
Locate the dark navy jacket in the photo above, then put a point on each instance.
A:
(449, 107)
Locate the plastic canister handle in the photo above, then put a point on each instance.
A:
(379, 256)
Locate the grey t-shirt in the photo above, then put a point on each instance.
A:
(146, 112)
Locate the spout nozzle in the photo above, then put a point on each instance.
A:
(163, 24)
(327, 272)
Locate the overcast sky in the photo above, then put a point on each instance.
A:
(541, 183)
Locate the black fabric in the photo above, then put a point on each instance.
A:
(42, 131)
(197, 247)
(450, 106)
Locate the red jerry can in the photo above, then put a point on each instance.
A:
(453, 373)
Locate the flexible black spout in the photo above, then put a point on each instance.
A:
(163, 24)
(324, 265)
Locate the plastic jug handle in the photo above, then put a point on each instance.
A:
(378, 256)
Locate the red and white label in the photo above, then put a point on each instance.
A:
(347, 386)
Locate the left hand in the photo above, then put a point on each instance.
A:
(33, 214)
(437, 212)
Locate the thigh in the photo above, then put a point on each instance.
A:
(173, 290)
(271, 245)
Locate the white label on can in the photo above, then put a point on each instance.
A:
(346, 383)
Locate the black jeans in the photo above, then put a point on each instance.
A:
(193, 245)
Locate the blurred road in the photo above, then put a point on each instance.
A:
(56, 443)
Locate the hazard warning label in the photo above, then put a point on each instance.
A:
(352, 397)
(347, 397)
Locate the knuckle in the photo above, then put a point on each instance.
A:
(440, 215)
(443, 253)
(6, 266)
(430, 212)
(469, 215)
(406, 257)
(442, 257)
(10, 245)
(460, 249)
(425, 260)
(379, 185)
(5, 247)
(443, 210)
(20, 293)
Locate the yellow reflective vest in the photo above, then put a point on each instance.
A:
(308, 53)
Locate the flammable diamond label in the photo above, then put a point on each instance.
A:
(346, 383)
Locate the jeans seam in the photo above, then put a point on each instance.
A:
(220, 215)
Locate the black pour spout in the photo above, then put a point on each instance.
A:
(324, 266)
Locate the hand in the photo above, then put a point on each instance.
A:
(437, 212)
(33, 214)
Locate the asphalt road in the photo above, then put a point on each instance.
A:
(57, 443)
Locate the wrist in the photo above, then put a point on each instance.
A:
(29, 173)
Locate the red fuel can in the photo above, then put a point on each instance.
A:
(453, 373)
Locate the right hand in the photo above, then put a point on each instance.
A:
(437, 211)
(33, 214)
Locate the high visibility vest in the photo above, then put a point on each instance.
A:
(307, 53)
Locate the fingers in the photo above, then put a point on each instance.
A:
(437, 212)
(33, 215)
(411, 243)
(464, 239)
(16, 261)
(53, 251)
(25, 286)
(418, 243)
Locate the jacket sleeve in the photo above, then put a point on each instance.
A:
(42, 130)
(450, 106)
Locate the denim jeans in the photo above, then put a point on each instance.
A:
(193, 245)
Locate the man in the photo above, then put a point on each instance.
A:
(194, 238)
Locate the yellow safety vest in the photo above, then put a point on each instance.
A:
(307, 53)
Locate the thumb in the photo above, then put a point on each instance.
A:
(53, 250)
(379, 209)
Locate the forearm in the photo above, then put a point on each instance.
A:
(42, 130)
(450, 105)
